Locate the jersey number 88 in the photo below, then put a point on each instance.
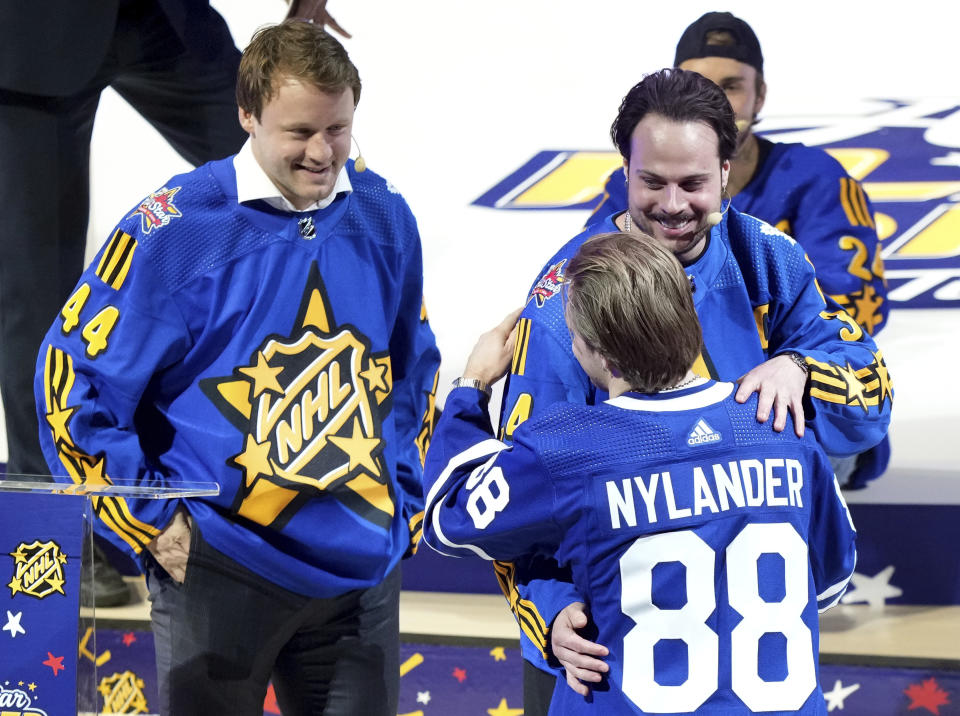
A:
(689, 622)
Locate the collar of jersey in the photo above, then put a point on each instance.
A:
(253, 184)
(692, 398)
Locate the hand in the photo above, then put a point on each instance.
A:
(171, 547)
(574, 652)
(493, 352)
(315, 11)
(780, 383)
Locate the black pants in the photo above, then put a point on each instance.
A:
(538, 686)
(225, 632)
(45, 193)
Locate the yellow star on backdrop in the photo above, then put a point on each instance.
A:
(15, 586)
(498, 653)
(504, 710)
(264, 377)
(359, 448)
(19, 555)
(56, 584)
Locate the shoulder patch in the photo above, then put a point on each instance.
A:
(549, 284)
(157, 210)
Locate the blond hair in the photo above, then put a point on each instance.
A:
(630, 300)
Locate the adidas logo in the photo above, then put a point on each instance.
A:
(702, 434)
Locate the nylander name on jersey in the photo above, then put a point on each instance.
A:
(716, 488)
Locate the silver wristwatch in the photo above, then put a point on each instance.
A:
(472, 383)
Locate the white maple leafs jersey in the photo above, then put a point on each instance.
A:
(703, 542)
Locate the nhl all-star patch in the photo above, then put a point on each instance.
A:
(549, 284)
(157, 210)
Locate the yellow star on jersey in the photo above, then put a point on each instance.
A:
(504, 710)
(255, 459)
(57, 419)
(865, 308)
(854, 386)
(498, 653)
(264, 377)
(374, 376)
(359, 448)
(94, 474)
(886, 386)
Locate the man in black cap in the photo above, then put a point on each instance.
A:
(801, 190)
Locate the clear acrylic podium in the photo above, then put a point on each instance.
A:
(44, 632)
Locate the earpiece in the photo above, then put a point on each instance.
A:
(359, 163)
(743, 124)
(715, 217)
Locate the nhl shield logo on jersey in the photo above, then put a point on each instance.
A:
(309, 406)
(157, 210)
(38, 569)
(549, 284)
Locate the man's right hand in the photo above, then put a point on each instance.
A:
(576, 654)
(171, 547)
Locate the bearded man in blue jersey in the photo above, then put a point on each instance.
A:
(259, 322)
(704, 542)
(799, 189)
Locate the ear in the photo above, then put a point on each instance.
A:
(610, 367)
(761, 98)
(247, 120)
(724, 174)
(626, 170)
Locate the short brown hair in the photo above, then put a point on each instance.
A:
(296, 49)
(630, 300)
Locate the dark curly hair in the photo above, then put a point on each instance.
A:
(679, 95)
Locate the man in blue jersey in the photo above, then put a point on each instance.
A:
(259, 322)
(801, 190)
(766, 323)
(702, 541)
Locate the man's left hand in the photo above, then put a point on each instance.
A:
(780, 383)
(491, 356)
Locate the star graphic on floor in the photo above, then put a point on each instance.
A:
(838, 695)
(498, 653)
(873, 590)
(504, 710)
(460, 674)
(128, 638)
(423, 697)
(13, 624)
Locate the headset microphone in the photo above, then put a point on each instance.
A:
(714, 218)
(743, 124)
(360, 164)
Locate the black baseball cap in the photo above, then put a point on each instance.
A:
(745, 48)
